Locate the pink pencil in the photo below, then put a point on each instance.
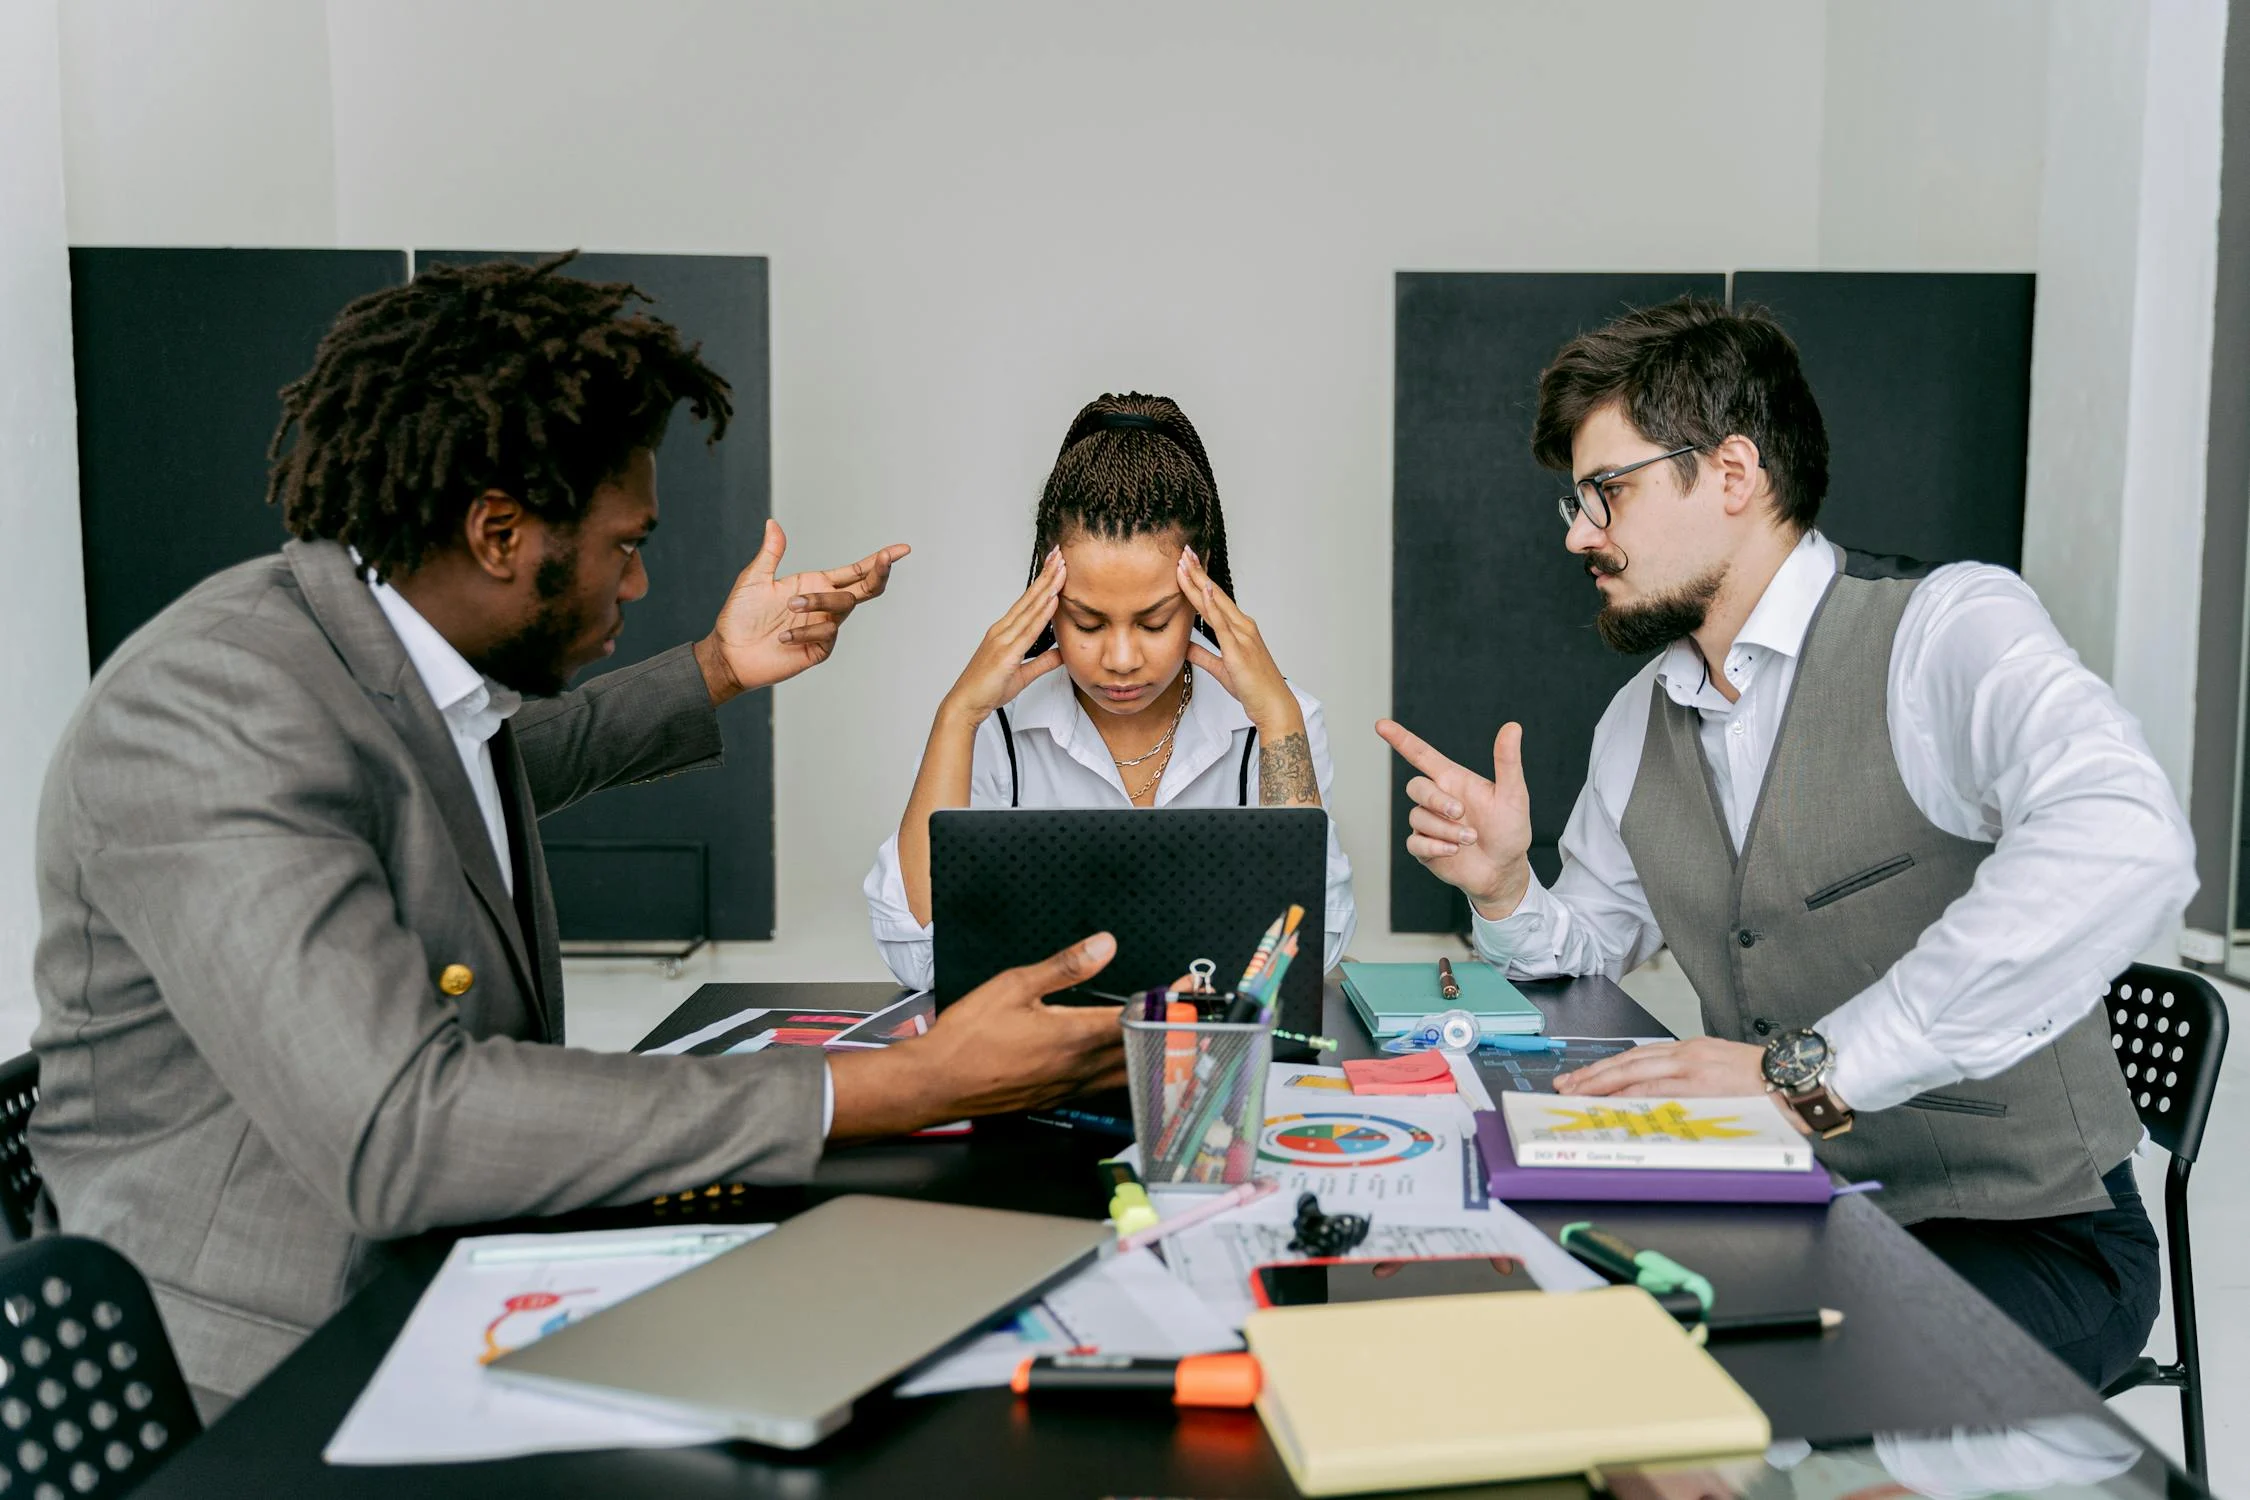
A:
(1249, 1192)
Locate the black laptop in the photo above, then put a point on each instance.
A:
(1010, 886)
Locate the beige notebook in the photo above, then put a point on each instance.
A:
(1501, 1385)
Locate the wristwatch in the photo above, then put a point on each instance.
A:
(1796, 1065)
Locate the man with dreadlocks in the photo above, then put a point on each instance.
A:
(298, 977)
(1167, 697)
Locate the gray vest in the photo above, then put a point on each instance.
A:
(1838, 876)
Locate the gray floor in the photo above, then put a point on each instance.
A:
(613, 1004)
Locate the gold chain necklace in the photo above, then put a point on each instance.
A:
(1161, 747)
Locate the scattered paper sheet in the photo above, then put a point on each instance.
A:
(1535, 1072)
(431, 1400)
(1392, 1154)
(1126, 1304)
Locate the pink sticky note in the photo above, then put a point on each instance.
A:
(1413, 1073)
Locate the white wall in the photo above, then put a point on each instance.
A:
(2121, 362)
(980, 215)
(44, 615)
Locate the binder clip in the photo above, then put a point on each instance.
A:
(1326, 1236)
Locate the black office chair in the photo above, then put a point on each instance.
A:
(92, 1399)
(2170, 1031)
(19, 1178)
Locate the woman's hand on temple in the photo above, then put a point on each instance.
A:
(998, 671)
(1243, 665)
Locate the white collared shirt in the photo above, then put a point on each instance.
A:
(1062, 761)
(472, 705)
(2000, 735)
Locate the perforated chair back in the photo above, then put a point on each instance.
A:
(93, 1400)
(19, 1178)
(2169, 1029)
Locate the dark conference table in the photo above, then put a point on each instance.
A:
(1919, 1350)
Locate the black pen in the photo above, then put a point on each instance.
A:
(1447, 985)
(1789, 1325)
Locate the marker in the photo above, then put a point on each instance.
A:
(1249, 1192)
(1198, 1380)
(1129, 1208)
(1810, 1323)
(1646, 1269)
(708, 1242)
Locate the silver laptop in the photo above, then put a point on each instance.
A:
(775, 1340)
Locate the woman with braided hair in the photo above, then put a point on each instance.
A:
(1166, 695)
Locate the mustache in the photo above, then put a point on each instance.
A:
(1611, 563)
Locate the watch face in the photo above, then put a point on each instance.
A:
(1794, 1060)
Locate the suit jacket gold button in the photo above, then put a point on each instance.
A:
(455, 979)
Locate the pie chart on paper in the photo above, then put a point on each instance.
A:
(1324, 1139)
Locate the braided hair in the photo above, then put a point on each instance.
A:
(499, 376)
(1132, 466)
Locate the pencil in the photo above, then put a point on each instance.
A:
(1264, 949)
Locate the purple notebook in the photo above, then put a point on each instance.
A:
(1508, 1181)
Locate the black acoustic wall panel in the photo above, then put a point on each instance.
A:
(179, 356)
(644, 862)
(1924, 380)
(1491, 618)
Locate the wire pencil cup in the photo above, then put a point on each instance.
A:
(1198, 1099)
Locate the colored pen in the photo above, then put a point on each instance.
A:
(1264, 948)
(1129, 1208)
(708, 1242)
(1447, 985)
(1198, 1380)
(1249, 1192)
(1809, 1323)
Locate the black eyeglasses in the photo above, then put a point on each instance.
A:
(1588, 496)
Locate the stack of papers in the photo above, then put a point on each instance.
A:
(431, 1400)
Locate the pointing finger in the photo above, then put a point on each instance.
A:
(1419, 753)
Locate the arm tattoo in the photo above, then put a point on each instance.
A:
(1285, 772)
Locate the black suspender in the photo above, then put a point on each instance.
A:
(1008, 738)
(1015, 781)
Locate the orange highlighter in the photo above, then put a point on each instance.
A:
(1179, 1054)
(1198, 1380)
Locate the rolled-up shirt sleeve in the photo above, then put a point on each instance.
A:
(1341, 914)
(906, 945)
(2004, 735)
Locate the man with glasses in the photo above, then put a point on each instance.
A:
(1893, 831)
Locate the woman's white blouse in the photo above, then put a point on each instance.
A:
(1061, 761)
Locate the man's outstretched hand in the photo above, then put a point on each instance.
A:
(1469, 832)
(773, 627)
(998, 1048)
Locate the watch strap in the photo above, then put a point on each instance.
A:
(1821, 1110)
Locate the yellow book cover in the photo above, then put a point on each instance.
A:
(1747, 1134)
(1503, 1385)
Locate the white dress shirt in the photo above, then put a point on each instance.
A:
(474, 707)
(1062, 761)
(2000, 735)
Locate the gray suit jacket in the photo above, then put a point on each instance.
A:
(257, 854)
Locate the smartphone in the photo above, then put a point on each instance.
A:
(1308, 1283)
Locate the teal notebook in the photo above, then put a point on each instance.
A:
(1390, 998)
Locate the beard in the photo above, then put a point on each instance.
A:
(535, 661)
(1652, 624)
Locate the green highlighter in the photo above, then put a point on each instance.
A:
(1655, 1274)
